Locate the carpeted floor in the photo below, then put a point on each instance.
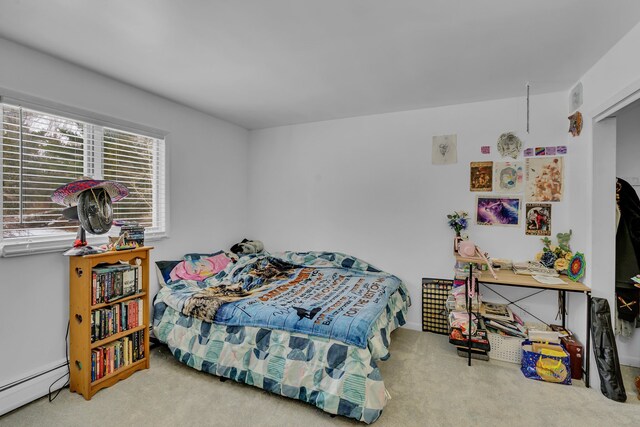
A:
(429, 384)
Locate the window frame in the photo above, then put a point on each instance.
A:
(44, 244)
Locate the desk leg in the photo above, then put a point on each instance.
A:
(469, 302)
(588, 349)
(563, 307)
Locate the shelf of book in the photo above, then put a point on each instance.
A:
(130, 369)
(88, 301)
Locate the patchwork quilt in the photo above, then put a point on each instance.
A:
(336, 377)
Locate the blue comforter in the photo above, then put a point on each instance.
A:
(325, 294)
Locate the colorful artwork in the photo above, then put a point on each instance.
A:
(508, 177)
(495, 210)
(485, 149)
(540, 151)
(577, 266)
(481, 176)
(544, 179)
(444, 150)
(538, 219)
(528, 152)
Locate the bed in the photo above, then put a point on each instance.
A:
(306, 325)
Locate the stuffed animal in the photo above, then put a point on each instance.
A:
(247, 247)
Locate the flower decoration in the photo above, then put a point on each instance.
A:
(556, 256)
(576, 268)
(458, 221)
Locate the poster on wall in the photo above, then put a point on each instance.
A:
(538, 219)
(481, 176)
(508, 177)
(444, 150)
(497, 210)
(544, 179)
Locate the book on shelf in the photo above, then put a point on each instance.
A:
(116, 318)
(114, 281)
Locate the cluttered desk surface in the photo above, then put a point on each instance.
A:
(508, 277)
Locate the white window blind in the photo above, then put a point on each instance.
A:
(42, 151)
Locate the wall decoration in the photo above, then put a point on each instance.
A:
(528, 152)
(544, 179)
(539, 151)
(496, 210)
(485, 149)
(444, 150)
(575, 123)
(538, 219)
(577, 267)
(508, 177)
(575, 97)
(562, 149)
(550, 151)
(509, 145)
(481, 176)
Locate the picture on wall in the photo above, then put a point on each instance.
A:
(508, 177)
(497, 210)
(544, 179)
(444, 150)
(481, 176)
(538, 219)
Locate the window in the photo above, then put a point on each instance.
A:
(42, 151)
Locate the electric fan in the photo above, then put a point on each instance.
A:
(90, 202)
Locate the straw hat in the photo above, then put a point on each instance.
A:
(68, 194)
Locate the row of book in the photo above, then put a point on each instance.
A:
(110, 357)
(114, 281)
(133, 234)
(116, 318)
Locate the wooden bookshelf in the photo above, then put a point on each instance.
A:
(80, 314)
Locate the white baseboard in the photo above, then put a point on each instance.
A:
(413, 326)
(629, 360)
(33, 388)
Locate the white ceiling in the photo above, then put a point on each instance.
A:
(264, 63)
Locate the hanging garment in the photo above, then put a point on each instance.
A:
(605, 351)
(627, 235)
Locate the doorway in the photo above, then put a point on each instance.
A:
(616, 146)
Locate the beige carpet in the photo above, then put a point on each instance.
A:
(429, 384)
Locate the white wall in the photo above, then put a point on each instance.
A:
(628, 167)
(628, 146)
(366, 186)
(207, 185)
(592, 191)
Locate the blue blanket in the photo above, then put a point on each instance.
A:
(323, 294)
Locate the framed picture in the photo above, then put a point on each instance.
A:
(544, 179)
(538, 219)
(481, 176)
(508, 177)
(498, 210)
(444, 150)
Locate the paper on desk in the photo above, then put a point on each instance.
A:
(548, 280)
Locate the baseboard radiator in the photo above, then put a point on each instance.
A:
(32, 387)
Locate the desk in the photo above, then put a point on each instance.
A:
(509, 278)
